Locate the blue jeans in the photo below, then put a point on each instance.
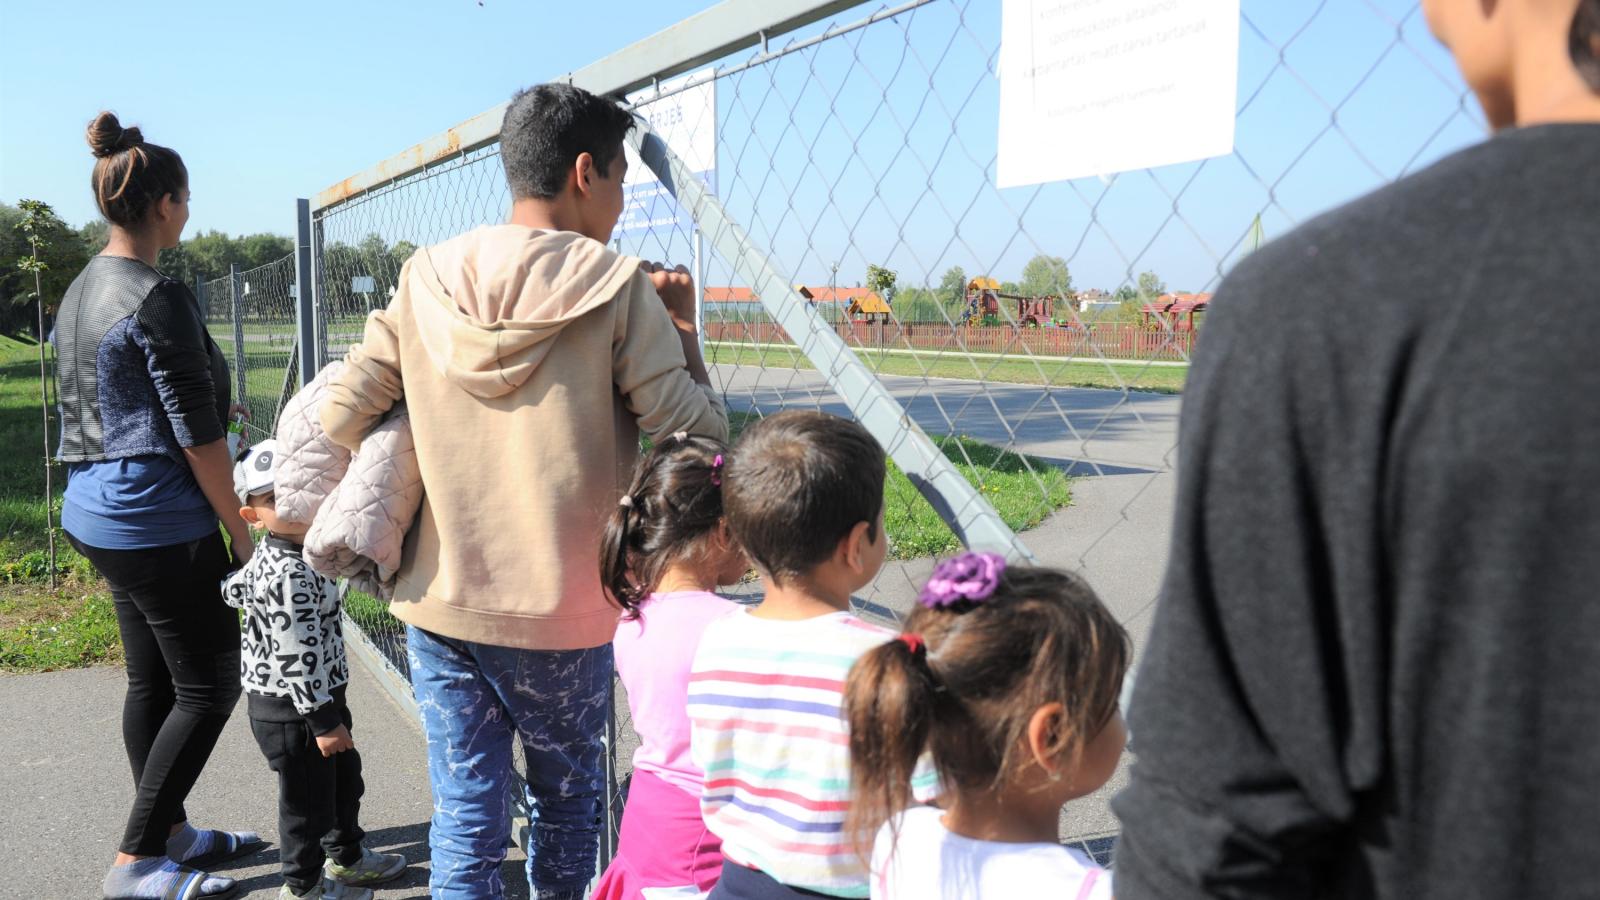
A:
(474, 698)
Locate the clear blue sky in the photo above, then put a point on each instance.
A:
(828, 155)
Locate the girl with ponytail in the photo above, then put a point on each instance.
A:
(664, 550)
(1008, 679)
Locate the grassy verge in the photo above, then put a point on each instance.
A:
(370, 614)
(1013, 370)
(40, 629)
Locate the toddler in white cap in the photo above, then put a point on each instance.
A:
(294, 673)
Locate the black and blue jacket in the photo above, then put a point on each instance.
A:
(139, 375)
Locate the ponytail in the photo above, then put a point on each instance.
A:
(673, 504)
(616, 540)
(890, 703)
(963, 682)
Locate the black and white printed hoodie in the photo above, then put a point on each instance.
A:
(293, 647)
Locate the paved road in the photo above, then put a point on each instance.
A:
(66, 787)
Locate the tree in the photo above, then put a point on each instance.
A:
(95, 234)
(916, 304)
(62, 254)
(953, 286)
(177, 262)
(882, 282)
(38, 225)
(259, 249)
(400, 253)
(1046, 275)
(1151, 286)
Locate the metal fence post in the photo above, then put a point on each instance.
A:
(236, 295)
(306, 326)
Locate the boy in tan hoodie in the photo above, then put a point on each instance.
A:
(530, 357)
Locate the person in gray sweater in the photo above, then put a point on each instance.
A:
(1375, 666)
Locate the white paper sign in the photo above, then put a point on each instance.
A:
(1092, 87)
(687, 121)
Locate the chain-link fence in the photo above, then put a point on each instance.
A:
(1038, 335)
(250, 313)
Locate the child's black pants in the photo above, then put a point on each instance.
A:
(319, 798)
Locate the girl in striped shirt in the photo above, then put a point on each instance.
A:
(1009, 678)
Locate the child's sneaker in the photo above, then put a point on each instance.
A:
(371, 868)
(327, 890)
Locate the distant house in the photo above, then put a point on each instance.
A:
(731, 295)
(1093, 300)
(732, 304)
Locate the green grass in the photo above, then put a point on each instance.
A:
(369, 613)
(22, 454)
(1014, 370)
(40, 629)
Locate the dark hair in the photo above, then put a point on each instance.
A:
(1584, 42)
(798, 482)
(673, 504)
(545, 129)
(129, 174)
(967, 696)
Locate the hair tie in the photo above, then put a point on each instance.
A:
(716, 471)
(970, 578)
(626, 501)
(914, 643)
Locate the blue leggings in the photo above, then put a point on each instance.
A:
(474, 698)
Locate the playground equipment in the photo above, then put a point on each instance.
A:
(861, 305)
(983, 305)
(1174, 312)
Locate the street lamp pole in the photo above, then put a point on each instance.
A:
(833, 288)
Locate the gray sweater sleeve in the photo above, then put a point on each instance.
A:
(1256, 714)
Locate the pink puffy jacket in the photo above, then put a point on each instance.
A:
(360, 505)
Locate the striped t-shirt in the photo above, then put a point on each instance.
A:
(767, 728)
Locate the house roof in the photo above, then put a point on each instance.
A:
(730, 295)
(983, 283)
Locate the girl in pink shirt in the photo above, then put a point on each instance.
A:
(665, 548)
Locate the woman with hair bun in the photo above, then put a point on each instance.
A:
(144, 402)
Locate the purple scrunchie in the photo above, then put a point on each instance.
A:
(968, 578)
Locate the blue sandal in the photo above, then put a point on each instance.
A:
(225, 845)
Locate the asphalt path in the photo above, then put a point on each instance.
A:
(67, 788)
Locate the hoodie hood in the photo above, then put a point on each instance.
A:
(488, 303)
